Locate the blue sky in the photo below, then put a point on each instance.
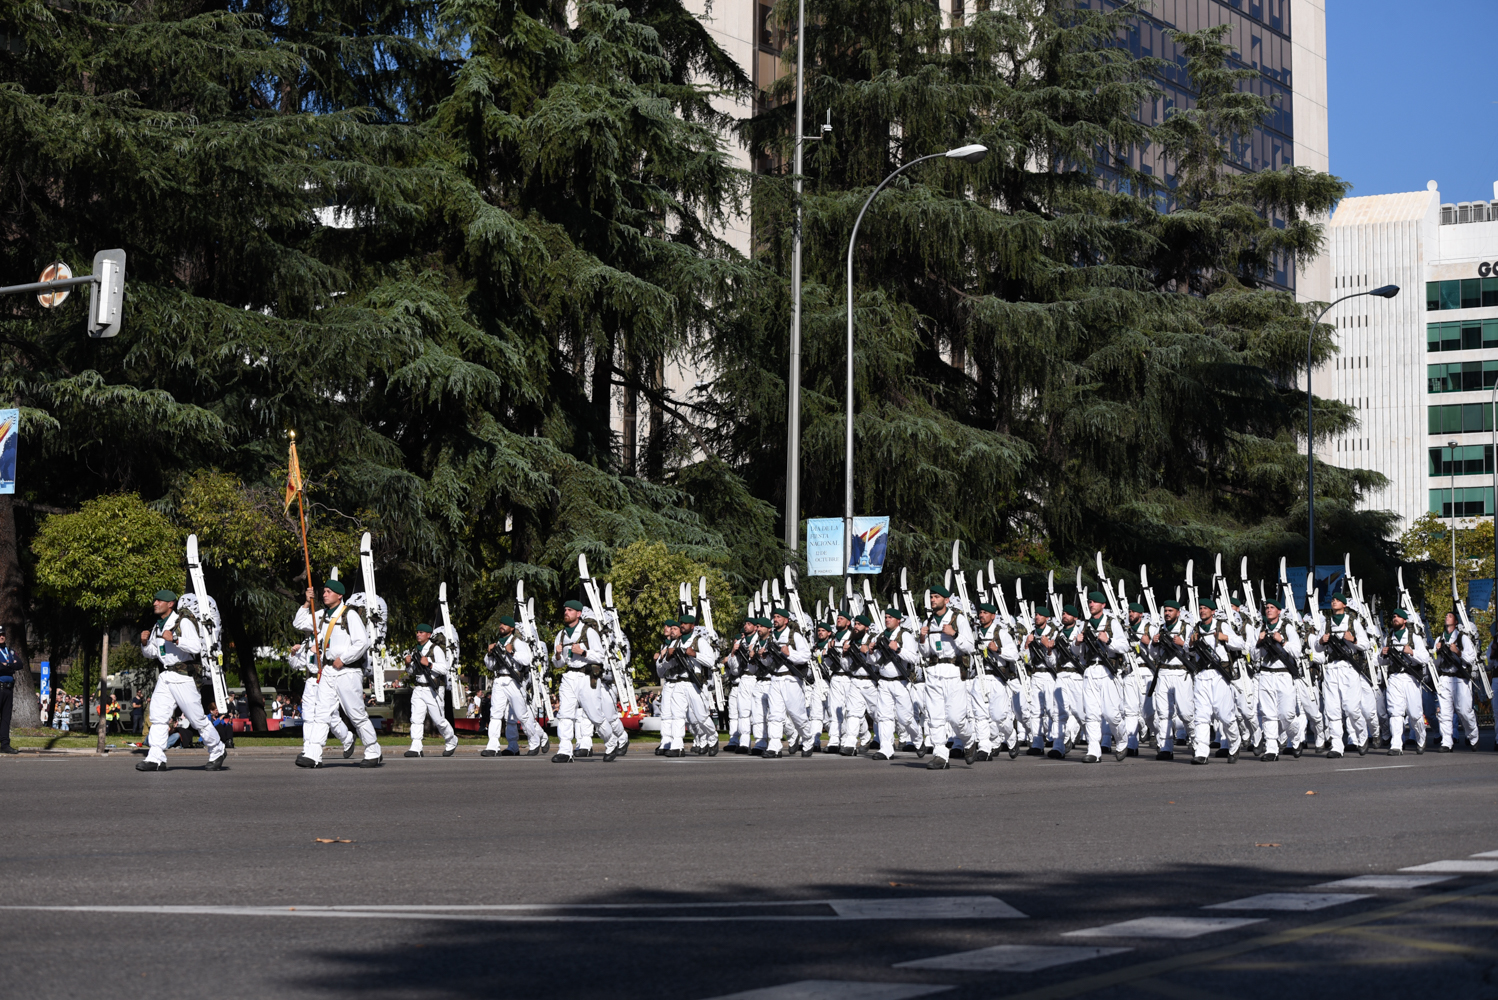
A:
(1413, 87)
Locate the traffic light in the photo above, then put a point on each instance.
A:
(108, 294)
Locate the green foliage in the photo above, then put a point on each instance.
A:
(646, 576)
(109, 558)
(1045, 364)
(1427, 545)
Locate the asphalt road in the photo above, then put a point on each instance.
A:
(703, 878)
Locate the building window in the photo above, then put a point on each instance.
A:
(1461, 418)
(1466, 293)
(1471, 501)
(1469, 460)
(1467, 335)
(1461, 376)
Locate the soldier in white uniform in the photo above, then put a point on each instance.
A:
(343, 639)
(509, 661)
(896, 653)
(1174, 697)
(789, 655)
(1100, 644)
(1456, 662)
(1041, 718)
(1408, 662)
(1069, 702)
(1215, 700)
(998, 657)
(1136, 709)
(946, 635)
(578, 652)
(735, 675)
(302, 660)
(176, 642)
(1345, 645)
(863, 681)
(1276, 651)
(428, 667)
(696, 657)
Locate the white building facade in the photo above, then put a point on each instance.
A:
(1421, 368)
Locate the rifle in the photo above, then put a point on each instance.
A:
(206, 612)
(375, 620)
(525, 615)
(1479, 673)
(454, 673)
(615, 650)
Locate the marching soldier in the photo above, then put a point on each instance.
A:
(1071, 685)
(1407, 660)
(789, 652)
(1174, 699)
(578, 652)
(998, 657)
(1041, 717)
(895, 651)
(1345, 645)
(1456, 659)
(176, 642)
(863, 682)
(301, 659)
(735, 675)
(509, 661)
(672, 674)
(1213, 690)
(698, 656)
(1101, 644)
(1245, 688)
(1131, 688)
(829, 661)
(1276, 653)
(945, 636)
(343, 639)
(759, 669)
(427, 669)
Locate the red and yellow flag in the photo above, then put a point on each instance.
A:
(293, 477)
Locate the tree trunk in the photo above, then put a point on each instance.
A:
(99, 748)
(959, 353)
(630, 430)
(25, 711)
(603, 398)
(655, 444)
(249, 676)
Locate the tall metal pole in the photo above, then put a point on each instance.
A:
(1311, 437)
(848, 402)
(1452, 446)
(1494, 416)
(793, 421)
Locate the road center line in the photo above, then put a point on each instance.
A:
(1386, 767)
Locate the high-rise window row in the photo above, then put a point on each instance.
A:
(1459, 418)
(1467, 293)
(1464, 335)
(1461, 376)
(1464, 460)
(1471, 501)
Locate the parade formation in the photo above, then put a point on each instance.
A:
(1219, 670)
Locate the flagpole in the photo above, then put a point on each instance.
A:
(295, 470)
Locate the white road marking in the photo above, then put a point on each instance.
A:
(1386, 767)
(1458, 867)
(837, 989)
(1485, 854)
(1011, 958)
(1295, 902)
(912, 908)
(1167, 927)
(1384, 882)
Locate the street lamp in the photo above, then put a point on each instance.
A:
(971, 153)
(1453, 445)
(1383, 292)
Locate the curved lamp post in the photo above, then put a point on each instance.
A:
(1383, 292)
(971, 154)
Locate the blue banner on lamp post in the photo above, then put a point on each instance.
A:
(870, 542)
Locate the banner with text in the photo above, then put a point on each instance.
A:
(824, 546)
(10, 434)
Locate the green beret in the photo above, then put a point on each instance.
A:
(1339, 596)
(1071, 609)
(423, 627)
(574, 605)
(1042, 611)
(166, 595)
(670, 623)
(864, 619)
(765, 622)
(336, 587)
(1208, 603)
(991, 609)
(940, 591)
(891, 612)
(1138, 609)
(782, 612)
(1173, 604)
(1097, 597)
(843, 614)
(688, 620)
(1273, 604)
(824, 626)
(507, 620)
(1400, 613)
